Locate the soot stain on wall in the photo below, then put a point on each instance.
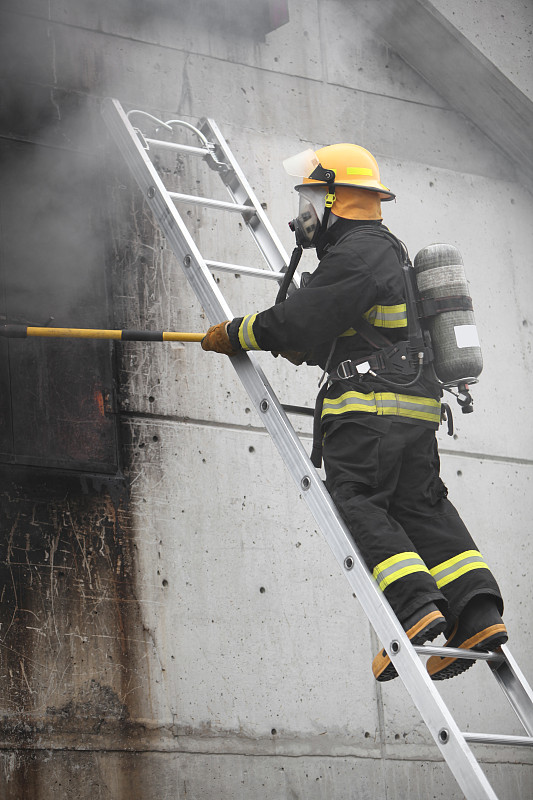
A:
(70, 628)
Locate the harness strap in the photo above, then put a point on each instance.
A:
(431, 306)
(394, 360)
(371, 334)
(316, 452)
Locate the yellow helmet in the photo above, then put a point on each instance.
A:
(351, 164)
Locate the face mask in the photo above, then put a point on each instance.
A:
(307, 224)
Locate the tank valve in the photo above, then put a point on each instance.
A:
(464, 398)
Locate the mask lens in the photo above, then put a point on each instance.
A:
(315, 197)
(307, 219)
(310, 214)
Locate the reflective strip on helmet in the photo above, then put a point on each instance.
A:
(452, 569)
(395, 567)
(384, 403)
(358, 171)
(246, 333)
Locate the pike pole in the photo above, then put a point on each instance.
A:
(23, 331)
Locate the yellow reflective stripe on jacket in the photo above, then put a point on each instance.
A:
(387, 316)
(454, 567)
(384, 403)
(383, 317)
(246, 333)
(388, 571)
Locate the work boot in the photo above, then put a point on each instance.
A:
(422, 626)
(479, 627)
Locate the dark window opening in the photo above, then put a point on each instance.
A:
(56, 395)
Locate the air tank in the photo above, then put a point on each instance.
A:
(440, 273)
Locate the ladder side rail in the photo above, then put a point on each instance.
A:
(516, 688)
(434, 711)
(261, 229)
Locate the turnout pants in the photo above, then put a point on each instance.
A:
(383, 475)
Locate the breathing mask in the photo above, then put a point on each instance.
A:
(308, 224)
(315, 200)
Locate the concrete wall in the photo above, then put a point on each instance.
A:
(502, 31)
(188, 634)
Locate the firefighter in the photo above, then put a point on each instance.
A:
(377, 412)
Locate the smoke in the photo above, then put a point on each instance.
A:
(51, 236)
(55, 69)
(51, 228)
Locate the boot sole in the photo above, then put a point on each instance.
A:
(440, 668)
(425, 630)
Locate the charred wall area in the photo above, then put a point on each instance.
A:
(71, 634)
(78, 248)
(68, 618)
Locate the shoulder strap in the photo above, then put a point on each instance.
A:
(371, 334)
(367, 331)
(383, 233)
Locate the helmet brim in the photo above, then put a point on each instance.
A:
(383, 192)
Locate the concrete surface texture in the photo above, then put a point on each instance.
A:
(175, 626)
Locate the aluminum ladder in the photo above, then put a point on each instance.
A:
(137, 149)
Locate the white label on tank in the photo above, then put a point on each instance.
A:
(466, 336)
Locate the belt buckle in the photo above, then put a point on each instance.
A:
(345, 370)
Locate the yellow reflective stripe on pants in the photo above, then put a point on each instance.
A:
(454, 567)
(388, 571)
(246, 333)
(384, 403)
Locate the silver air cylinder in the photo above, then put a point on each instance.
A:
(440, 273)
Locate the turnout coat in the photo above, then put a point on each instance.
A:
(383, 474)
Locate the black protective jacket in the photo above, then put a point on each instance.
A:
(358, 272)
(383, 477)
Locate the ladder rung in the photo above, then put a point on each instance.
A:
(206, 201)
(499, 738)
(183, 148)
(430, 650)
(252, 271)
(306, 412)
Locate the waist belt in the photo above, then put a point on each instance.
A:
(395, 360)
(380, 403)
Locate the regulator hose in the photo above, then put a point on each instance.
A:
(289, 275)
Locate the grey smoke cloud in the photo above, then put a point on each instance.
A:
(52, 138)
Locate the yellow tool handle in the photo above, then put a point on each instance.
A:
(74, 333)
(170, 336)
(21, 331)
